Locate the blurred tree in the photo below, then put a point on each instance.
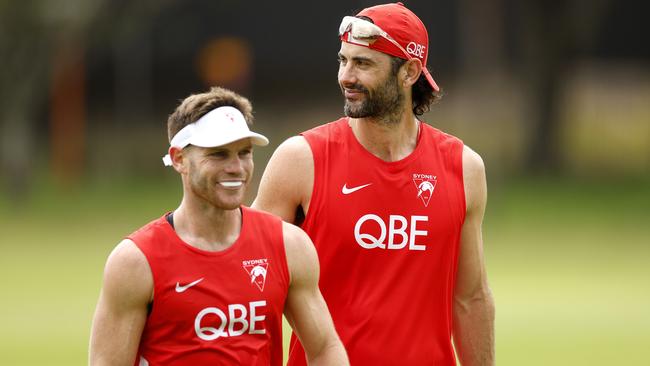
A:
(67, 111)
(544, 37)
(549, 35)
(23, 46)
(43, 45)
(482, 37)
(30, 32)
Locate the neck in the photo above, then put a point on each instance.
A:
(389, 140)
(206, 227)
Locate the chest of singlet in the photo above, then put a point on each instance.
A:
(387, 236)
(222, 308)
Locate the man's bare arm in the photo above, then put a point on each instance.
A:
(122, 307)
(473, 303)
(305, 307)
(287, 181)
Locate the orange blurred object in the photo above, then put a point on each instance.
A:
(67, 113)
(227, 62)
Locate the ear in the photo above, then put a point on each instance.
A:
(178, 159)
(412, 70)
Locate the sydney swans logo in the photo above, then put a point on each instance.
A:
(257, 270)
(425, 185)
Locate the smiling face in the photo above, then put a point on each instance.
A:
(219, 176)
(367, 82)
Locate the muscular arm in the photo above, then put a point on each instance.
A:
(122, 307)
(473, 310)
(305, 308)
(288, 180)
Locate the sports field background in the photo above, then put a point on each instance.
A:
(86, 87)
(568, 262)
(568, 254)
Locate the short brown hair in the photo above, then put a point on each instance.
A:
(196, 105)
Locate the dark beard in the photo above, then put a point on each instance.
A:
(384, 103)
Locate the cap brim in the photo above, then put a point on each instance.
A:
(211, 141)
(433, 84)
(259, 140)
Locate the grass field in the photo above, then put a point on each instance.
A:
(569, 265)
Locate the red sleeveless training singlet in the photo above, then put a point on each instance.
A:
(387, 237)
(215, 308)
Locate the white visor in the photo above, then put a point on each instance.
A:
(218, 127)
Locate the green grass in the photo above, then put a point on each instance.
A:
(568, 263)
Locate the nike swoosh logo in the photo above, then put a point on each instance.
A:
(180, 288)
(346, 190)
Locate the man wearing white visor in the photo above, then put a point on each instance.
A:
(208, 283)
(393, 205)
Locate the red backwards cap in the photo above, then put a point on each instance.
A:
(404, 27)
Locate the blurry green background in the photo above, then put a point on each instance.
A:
(554, 96)
(567, 260)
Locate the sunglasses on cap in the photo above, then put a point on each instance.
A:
(364, 30)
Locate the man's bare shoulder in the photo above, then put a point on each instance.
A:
(294, 147)
(127, 271)
(127, 253)
(302, 258)
(474, 178)
(287, 180)
(296, 241)
(293, 158)
(472, 163)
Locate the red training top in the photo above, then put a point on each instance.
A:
(387, 236)
(215, 308)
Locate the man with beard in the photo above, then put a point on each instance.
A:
(393, 205)
(207, 284)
